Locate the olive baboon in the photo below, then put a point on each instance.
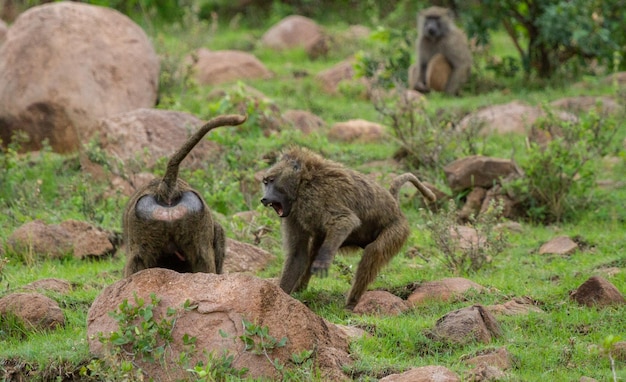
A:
(325, 206)
(439, 38)
(167, 224)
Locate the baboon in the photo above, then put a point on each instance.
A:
(325, 206)
(167, 224)
(437, 35)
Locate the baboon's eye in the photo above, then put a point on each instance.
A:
(266, 180)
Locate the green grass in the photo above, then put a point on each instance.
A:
(555, 346)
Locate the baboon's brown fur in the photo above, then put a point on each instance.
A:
(325, 206)
(437, 35)
(167, 224)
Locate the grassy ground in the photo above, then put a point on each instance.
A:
(557, 345)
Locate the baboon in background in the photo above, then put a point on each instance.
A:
(437, 37)
(167, 224)
(325, 206)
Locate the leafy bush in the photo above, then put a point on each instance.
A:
(388, 62)
(560, 173)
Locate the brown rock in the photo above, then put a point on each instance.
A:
(332, 77)
(484, 373)
(54, 285)
(424, 374)
(442, 290)
(160, 132)
(499, 358)
(598, 292)
(64, 65)
(356, 130)
(478, 171)
(380, 303)
(87, 240)
(304, 121)
(55, 241)
(352, 332)
(34, 309)
(3, 31)
(511, 118)
(520, 305)
(474, 323)
(473, 203)
(40, 239)
(604, 105)
(561, 245)
(297, 31)
(244, 257)
(216, 67)
(223, 303)
(510, 207)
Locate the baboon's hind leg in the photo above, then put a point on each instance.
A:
(376, 255)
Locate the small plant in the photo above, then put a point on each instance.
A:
(607, 348)
(216, 368)
(428, 139)
(258, 340)
(140, 336)
(469, 252)
(388, 64)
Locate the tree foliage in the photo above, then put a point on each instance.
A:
(549, 33)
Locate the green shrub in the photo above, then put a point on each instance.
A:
(560, 173)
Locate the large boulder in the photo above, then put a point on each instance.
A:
(216, 67)
(222, 304)
(359, 130)
(510, 118)
(158, 133)
(65, 65)
(80, 239)
(244, 257)
(297, 32)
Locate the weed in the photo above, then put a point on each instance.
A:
(258, 340)
(607, 348)
(428, 139)
(467, 252)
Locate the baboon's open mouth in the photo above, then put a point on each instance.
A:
(278, 208)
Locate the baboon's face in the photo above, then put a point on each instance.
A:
(281, 186)
(432, 27)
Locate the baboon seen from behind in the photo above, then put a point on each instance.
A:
(325, 206)
(167, 224)
(441, 47)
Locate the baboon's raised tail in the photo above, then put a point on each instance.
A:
(400, 180)
(168, 183)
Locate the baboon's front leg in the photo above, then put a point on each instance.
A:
(337, 231)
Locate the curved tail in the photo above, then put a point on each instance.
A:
(171, 173)
(400, 180)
